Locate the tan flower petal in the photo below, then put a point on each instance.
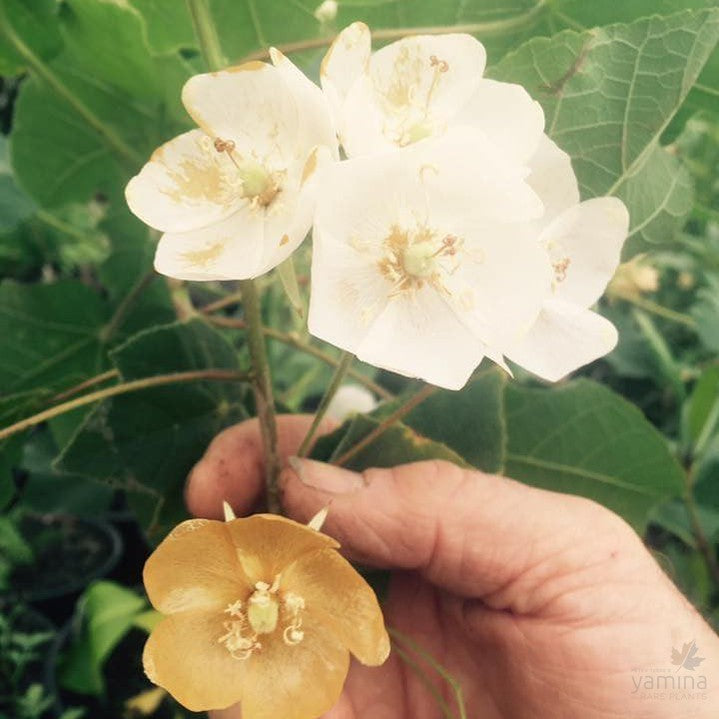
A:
(184, 656)
(267, 543)
(301, 681)
(337, 597)
(186, 184)
(194, 567)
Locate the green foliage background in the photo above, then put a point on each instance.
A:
(91, 87)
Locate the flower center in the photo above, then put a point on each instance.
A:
(409, 98)
(256, 182)
(410, 260)
(266, 610)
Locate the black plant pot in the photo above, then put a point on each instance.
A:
(69, 553)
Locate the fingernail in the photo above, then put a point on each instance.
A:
(326, 477)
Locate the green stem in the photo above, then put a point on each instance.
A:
(264, 398)
(91, 382)
(124, 388)
(206, 34)
(428, 684)
(405, 408)
(657, 309)
(484, 29)
(334, 385)
(293, 341)
(417, 649)
(43, 71)
(705, 546)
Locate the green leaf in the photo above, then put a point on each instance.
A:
(397, 445)
(15, 205)
(469, 422)
(50, 335)
(109, 611)
(705, 95)
(706, 313)
(581, 438)
(702, 409)
(33, 25)
(608, 95)
(148, 441)
(87, 119)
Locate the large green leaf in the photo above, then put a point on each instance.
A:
(583, 439)
(608, 95)
(148, 441)
(15, 205)
(573, 13)
(469, 422)
(50, 335)
(87, 119)
(31, 25)
(398, 444)
(109, 611)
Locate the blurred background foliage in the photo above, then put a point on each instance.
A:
(90, 87)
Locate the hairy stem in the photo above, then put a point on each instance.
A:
(335, 383)
(124, 388)
(264, 398)
(261, 380)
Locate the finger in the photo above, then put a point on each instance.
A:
(475, 534)
(232, 468)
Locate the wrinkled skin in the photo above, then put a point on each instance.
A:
(542, 605)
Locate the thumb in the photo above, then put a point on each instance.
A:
(474, 534)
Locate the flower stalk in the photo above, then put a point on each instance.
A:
(330, 392)
(261, 380)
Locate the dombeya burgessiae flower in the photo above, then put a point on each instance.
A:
(426, 260)
(420, 87)
(235, 197)
(261, 611)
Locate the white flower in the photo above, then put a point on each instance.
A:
(426, 260)
(235, 197)
(583, 242)
(326, 12)
(350, 399)
(419, 87)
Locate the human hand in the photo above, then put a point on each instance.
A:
(541, 605)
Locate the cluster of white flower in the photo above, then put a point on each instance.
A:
(453, 231)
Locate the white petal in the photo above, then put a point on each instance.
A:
(552, 178)
(249, 105)
(420, 336)
(348, 292)
(467, 182)
(414, 89)
(229, 250)
(362, 125)
(562, 340)
(500, 284)
(508, 116)
(186, 184)
(584, 244)
(346, 59)
(315, 123)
